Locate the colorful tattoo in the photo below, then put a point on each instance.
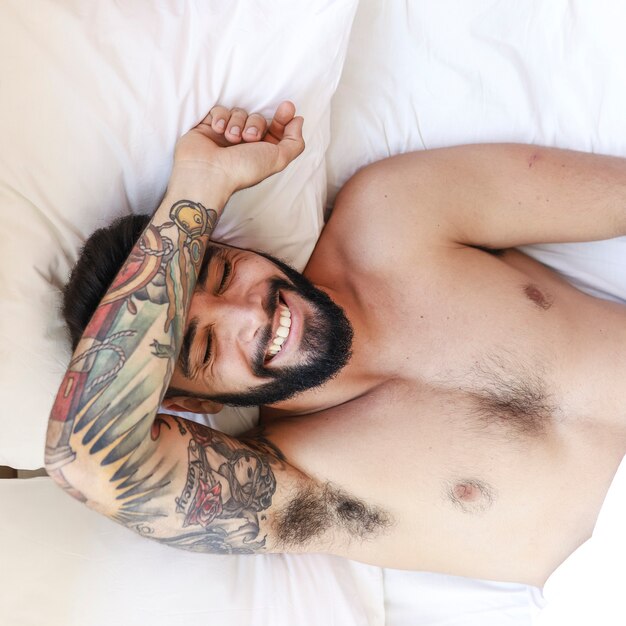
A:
(113, 387)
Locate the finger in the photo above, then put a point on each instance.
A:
(219, 118)
(255, 127)
(292, 143)
(235, 124)
(284, 114)
(206, 128)
(207, 120)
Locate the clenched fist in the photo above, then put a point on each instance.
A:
(239, 149)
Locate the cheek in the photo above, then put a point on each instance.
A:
(233, 372)
(257, 271)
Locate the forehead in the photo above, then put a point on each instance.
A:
(218, 245)
(215, 248)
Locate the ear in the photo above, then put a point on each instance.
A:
(193, 405)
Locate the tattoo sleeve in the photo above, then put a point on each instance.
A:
(99, 442)
(224, 494)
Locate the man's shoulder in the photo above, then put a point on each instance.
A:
(385, 214)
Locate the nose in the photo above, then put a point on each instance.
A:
(241, 317)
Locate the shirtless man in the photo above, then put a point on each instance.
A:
(469, 411)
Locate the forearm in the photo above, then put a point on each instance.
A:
(124, 361)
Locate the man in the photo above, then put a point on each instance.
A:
(466, 405)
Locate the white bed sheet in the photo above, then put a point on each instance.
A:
(65, 565)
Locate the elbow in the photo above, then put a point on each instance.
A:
(58, 452)
(57, 476)
(56, 463)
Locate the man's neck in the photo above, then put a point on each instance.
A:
(357, 378)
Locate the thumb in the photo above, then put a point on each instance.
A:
(292, 144)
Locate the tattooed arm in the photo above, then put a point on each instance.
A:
(194, 488)
(102, 444)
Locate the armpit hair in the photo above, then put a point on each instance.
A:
(317, 509)
(513, 396)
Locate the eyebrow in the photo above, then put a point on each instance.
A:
(184, 351)
(211, 251)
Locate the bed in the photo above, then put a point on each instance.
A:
(94, 96)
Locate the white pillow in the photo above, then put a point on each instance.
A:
(421, 75)
(94, 96)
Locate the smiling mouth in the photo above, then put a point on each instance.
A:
(282, 332)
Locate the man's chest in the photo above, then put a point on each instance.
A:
(507, 332)
(480, 426)
(466, 494)
(482, 330)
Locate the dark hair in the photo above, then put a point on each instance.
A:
(99, 261)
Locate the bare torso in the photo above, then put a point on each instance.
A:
(484, 407)
(474, 431)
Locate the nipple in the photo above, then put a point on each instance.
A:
(471, 496)
(542, 300)
(466, 492)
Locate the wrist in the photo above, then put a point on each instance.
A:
(198, 184)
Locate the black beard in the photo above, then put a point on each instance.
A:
(326, 345)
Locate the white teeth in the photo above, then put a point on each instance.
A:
(282, 332)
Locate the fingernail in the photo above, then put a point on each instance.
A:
(235, 130)
(221, 124)
(252, 131)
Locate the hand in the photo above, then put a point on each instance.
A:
(224, 145)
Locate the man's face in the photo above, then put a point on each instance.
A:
(257, 332)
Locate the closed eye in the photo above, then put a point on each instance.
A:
(207, 352)
(225, 274)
